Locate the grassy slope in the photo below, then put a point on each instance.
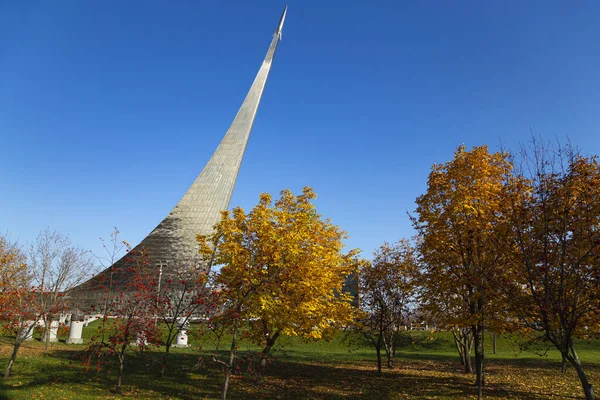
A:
(426, 367)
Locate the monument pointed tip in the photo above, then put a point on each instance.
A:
(281, 20)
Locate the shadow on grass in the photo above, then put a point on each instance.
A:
(524, 359)
(65, 368)
(416, 375)
(293, 375)
(295, 380)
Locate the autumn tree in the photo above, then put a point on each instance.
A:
(554, 218)
(18, 300)
(13, 267)
(386, 288)
(282, 271)
(56, 266)
(114, 249)
(130, 307)
(457, 221)
(182, 295)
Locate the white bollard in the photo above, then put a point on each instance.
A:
(76, 329)
(181, 340)
(52, 331)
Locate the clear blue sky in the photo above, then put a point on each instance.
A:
(109, 109)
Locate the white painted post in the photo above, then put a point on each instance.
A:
(53, 330)
(181, 340)
(76, 329)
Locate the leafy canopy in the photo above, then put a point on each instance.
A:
(282, 267)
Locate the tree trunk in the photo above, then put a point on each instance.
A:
(573, 358)
(459, 347)
(467, 356)
(482, 353)
(13, 357)
(588, 389)
(390, 359)
(47, 326)
(47, 339)
(267, 349)
(478, 342)
(389, 350)
(494, 337)
(378, 347)
(168, 345)
(464, 344)
(163, 368)
(122, 364)
(468, 349)
(231, 360)
(120, 378)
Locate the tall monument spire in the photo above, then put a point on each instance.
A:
(172, 244)
(281, 21)
(174, 239)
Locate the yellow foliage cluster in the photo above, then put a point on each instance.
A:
(13, 270)
(282, 267)
(458, 219)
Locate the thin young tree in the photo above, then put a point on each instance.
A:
(131, 310)
(20, 310)
(387, 287)
(106, 284)
(56, 266)
(114, 249)
(183, 295)
(18, 300)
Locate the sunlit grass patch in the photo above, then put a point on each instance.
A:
(426, 367)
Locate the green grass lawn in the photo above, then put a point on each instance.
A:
(426, 367)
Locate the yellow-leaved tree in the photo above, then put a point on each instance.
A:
(282, 271)
(457, 220)
(13, 270)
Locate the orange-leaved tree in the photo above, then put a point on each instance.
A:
(131, 308)
(457, 220)
(553, 205)
(386, 290)
(183, 295)
(18, 301)
(13, 270)
(283, 270)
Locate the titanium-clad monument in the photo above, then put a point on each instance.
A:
(172, 244)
